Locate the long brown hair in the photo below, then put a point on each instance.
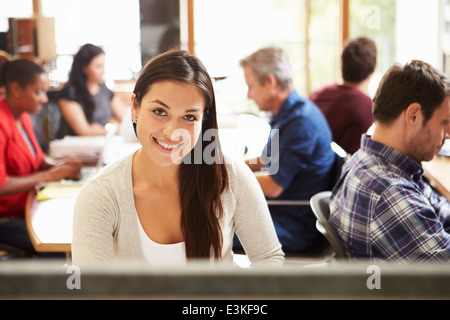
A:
(201, 184)
(78, 77)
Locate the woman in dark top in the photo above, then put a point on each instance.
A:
(85, 102)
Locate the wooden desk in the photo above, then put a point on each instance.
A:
(437, 171)
(49, 223)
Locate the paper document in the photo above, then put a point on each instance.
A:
(58, 191)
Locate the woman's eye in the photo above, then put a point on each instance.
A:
(159, 112)
(190, 117)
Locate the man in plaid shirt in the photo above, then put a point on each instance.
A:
(381, 208)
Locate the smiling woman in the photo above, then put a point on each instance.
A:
(175, 119)
(152, 208)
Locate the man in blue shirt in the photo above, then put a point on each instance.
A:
(298, 156)
(381, 207)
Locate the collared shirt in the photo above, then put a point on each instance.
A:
(382, 209)
(304, 161)
(16, 158)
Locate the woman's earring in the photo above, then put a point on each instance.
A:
(135, 120)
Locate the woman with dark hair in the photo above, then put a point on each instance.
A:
(86, 104)
(176, 198)
(23, 164)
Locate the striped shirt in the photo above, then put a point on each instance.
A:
(382, 209)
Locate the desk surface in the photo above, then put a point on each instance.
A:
(437, 171)
(49, 223)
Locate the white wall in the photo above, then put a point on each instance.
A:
(418, 31)
(16, 8)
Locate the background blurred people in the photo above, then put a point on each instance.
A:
(86, 104)
(346, 106)
(381, 207)
(23, 164)
(304, 157)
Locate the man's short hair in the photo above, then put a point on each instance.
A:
(268, 61)
(416, 82)
(359, 59)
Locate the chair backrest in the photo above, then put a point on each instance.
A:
(341, 156)
(320, 205)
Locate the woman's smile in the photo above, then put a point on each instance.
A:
(167, 147)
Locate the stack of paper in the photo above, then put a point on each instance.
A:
(58, 191)
(87, 149)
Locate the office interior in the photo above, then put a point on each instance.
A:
(220, 33)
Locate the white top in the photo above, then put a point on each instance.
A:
(106, 225)
(158, 254)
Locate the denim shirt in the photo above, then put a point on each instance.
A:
(305, 161)
(382, 209)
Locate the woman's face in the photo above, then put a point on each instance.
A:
(96, 69)
(169, 121)
(31, 98)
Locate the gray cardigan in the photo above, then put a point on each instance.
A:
(106, 223)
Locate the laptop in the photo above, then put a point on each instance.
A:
(87, 173)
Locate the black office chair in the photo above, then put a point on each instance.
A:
(8, 252)
(320, 205)
(322, 251)
(11, 230)
(46, 123)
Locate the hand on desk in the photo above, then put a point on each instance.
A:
(65, 169)
(48, 172)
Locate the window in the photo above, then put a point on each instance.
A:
(324, 46)
(310, 31)
(376, 19)
(16, 8)
(111, 24)
(227, 31)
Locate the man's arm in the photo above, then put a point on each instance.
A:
(255, 164)
(270, 188)
(406, 227)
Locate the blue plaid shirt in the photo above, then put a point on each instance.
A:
(382, 209)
